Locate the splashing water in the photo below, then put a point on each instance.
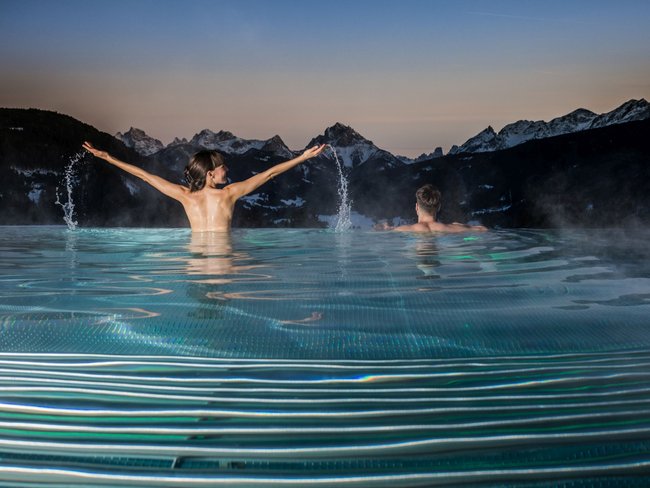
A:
(343, 221)
(70, 178)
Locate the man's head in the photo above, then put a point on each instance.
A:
(428, 199)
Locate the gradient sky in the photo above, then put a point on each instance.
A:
(408, 75)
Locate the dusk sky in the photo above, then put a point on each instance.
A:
(408, 75)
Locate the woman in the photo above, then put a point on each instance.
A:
(208, 208)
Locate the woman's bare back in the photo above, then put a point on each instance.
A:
(209, 209)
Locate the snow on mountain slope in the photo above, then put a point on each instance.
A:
(352, 148)
(140, 141)
(485, 141)
(578, 120)
(228, 143)
(223, 141)
(628, 112)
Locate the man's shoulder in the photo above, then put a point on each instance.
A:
(458, 227)
(418, 227)
(439, 227)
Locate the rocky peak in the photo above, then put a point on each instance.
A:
(579, 114)
(209, 139)
(177, 142)
(277, 146)
(352, 148)
(224, 135)
(630, 111)
(229, 143)
(488, 133)
(521, 131)
(578, 120)
(138, 140)
(342, 135)
(484, 141)
(277, 140)
(437, 153)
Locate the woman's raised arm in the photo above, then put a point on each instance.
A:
(162, 185)
(239, 189)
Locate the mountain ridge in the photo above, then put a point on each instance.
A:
(354, 149)
(578, 120)
(595, 178)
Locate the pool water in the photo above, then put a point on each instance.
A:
(292, 357)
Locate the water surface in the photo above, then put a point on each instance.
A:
(155, 357)
(317, 294)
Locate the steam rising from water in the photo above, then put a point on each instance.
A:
(70, 178)
(343, 221)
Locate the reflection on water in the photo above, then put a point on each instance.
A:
(211, 263)
(211, 255)
(426, 252)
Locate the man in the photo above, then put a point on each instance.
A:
(427, 206)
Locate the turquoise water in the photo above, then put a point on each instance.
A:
(155, 357)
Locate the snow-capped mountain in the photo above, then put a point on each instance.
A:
(578, 120)
(228, 143)
(277, 146)
(581, 119)
(593, 168)
(137, 139)
(177, 142)
(628, 112)
(223, 141)
(352, 148)
(485, 141)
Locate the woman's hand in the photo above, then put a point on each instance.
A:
(95, 152)
(314, 151)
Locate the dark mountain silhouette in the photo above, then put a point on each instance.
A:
(594, 178)
(35, 148)
(597, 177)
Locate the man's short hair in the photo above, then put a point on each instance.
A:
(429, 199)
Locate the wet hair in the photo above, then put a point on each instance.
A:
(198, 167)
(429, 199)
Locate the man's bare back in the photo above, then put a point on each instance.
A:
(439, 227)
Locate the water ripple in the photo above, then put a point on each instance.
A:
(91, 427)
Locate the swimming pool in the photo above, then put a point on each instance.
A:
(290, 357)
